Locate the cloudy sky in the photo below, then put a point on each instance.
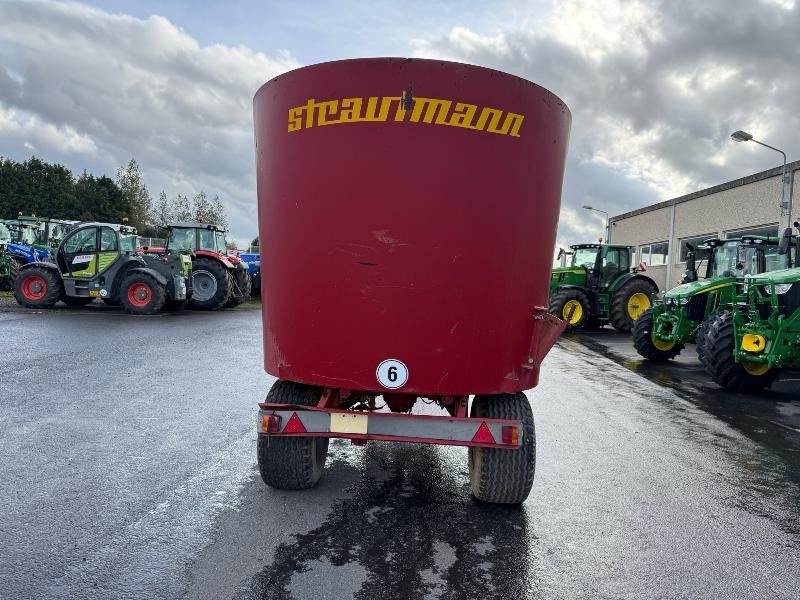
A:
(655, 88)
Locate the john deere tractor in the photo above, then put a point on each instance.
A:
(686, 312)
(600, 286)
(748, 345)
(219, 279)
(99, 260)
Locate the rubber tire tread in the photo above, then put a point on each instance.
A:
(157, 302)
(503, 476)
(292, 463)
(558, 301)
(224, 284)
(619, 302)
(55, 288)
(240, 287)
(701, 335)
(719, 362)
(643, 340)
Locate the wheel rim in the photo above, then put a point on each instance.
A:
(754, 368)
(140, 294)
(204, 286)
(576, 308)
(637, 304)
(34, 287)
(663, 345)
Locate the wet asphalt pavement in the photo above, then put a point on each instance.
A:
(128, 471)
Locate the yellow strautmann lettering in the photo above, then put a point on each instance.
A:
(433, 111)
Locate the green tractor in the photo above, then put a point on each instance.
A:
(99, 260)
(600, 286)
(686, 312)
(747, 346)
(5, 260)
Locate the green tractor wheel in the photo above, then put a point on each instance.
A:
(719, 362)
(629, 302)
(572, 306)
(649, 347)
(701, 335)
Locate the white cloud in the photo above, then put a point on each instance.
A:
(80, 83)
(655, 89)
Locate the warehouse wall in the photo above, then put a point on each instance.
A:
(748, 202)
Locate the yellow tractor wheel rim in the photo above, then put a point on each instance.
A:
(637, 304)
(662, 345)
(754, 368)
(575, 308)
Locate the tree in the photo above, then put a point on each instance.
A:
(201, 207)
(129, 180)
(254, 242)
(162, 214)
(217, 213)
(181, 210)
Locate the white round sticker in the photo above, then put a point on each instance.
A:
(103, 293)
(392, 373)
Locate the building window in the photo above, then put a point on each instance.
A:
(695, 241)
(765, 230)
(655, 254)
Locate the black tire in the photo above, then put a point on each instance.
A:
(560, 307)
(292, 463)
(503, 476)
(643, 340)
(701, 334)
(211, 284)
(76, 301)
(621, 319)
(16, 267)
(48, 291)
(153, 300)
(719, 362)
(241, 287)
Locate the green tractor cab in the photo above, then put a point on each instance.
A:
(99, 260)
(600, 286)
(686, 312)
(748, 345)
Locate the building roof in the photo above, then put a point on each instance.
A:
(792, 166)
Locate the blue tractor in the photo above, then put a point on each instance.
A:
(253, 260)
(33, 240)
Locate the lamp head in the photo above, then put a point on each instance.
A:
(741, 136)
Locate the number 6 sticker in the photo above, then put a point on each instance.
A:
(392, 373)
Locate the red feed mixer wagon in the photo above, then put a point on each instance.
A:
(411, 210)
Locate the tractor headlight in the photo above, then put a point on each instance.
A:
(684, 301)
(782, 288)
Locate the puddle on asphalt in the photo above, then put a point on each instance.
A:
(414, 533)
(770, 480)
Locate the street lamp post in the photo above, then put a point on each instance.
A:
(785, 206)
(608, 229)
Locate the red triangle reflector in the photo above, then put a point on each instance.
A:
(294, 425)
(483, 435)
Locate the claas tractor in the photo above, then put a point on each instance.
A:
(599, 286)
(686, 312)
(98, 260)
(748, 345)
(219, 279)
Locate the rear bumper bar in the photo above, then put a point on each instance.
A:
(306, 421)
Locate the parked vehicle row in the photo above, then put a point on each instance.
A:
(52, 261)
(742, 311)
